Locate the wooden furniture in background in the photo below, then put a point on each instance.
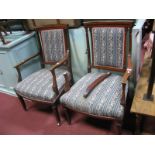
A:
(36, 23)
(6, 25)
(144, 102)
(141, 107)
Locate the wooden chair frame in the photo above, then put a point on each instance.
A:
(65, 61)
(126, 70)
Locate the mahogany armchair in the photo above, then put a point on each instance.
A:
(47, 84)
(102, 93)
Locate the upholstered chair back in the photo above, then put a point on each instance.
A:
(53, 44)
(108, 46)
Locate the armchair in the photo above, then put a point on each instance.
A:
(103, 94)
(47, 84)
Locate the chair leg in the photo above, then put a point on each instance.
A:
(67, 115)
(117, 127)
(22, 102)
(56, 112)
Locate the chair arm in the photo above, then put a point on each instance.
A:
(125, 78)
(26, 60)
(128, 71)
(58, 64)
(67, 82)
(21, 63)
(95, 83)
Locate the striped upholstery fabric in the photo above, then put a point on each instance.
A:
(53, 44)
(108, 46)
(39, 84)
(104, 100)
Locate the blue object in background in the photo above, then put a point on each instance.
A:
(20, 47)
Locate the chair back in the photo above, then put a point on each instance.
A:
(108, 44)
(54, 43)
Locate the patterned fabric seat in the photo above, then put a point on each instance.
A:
(104, 100)
(39, 84)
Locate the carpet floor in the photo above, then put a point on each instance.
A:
(39, 120)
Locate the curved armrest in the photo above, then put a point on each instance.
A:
(61, 62)
(58, 64)
(26, 60)
(21, 63)
(95, 83)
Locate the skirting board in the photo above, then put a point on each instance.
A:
(8, 91)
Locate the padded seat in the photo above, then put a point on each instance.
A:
(104, 100)
(39, 84)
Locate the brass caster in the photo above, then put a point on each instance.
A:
(58, 124)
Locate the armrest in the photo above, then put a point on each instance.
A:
(67, 82)
(125, 78)
(128, 71)
(26, 60)
(21, 63)
(95, 83)
(58, 64)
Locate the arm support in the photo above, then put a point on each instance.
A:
(67, 82)
(58, 64)
(128, 71)
(21, 63)
(26, 60)
(95, 83)
(125, 78)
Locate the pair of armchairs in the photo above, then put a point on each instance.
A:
(97, 94)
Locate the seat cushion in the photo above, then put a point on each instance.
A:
(104, 100)
(39, 84)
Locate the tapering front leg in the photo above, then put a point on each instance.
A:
(56, 112)
(22, 102)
